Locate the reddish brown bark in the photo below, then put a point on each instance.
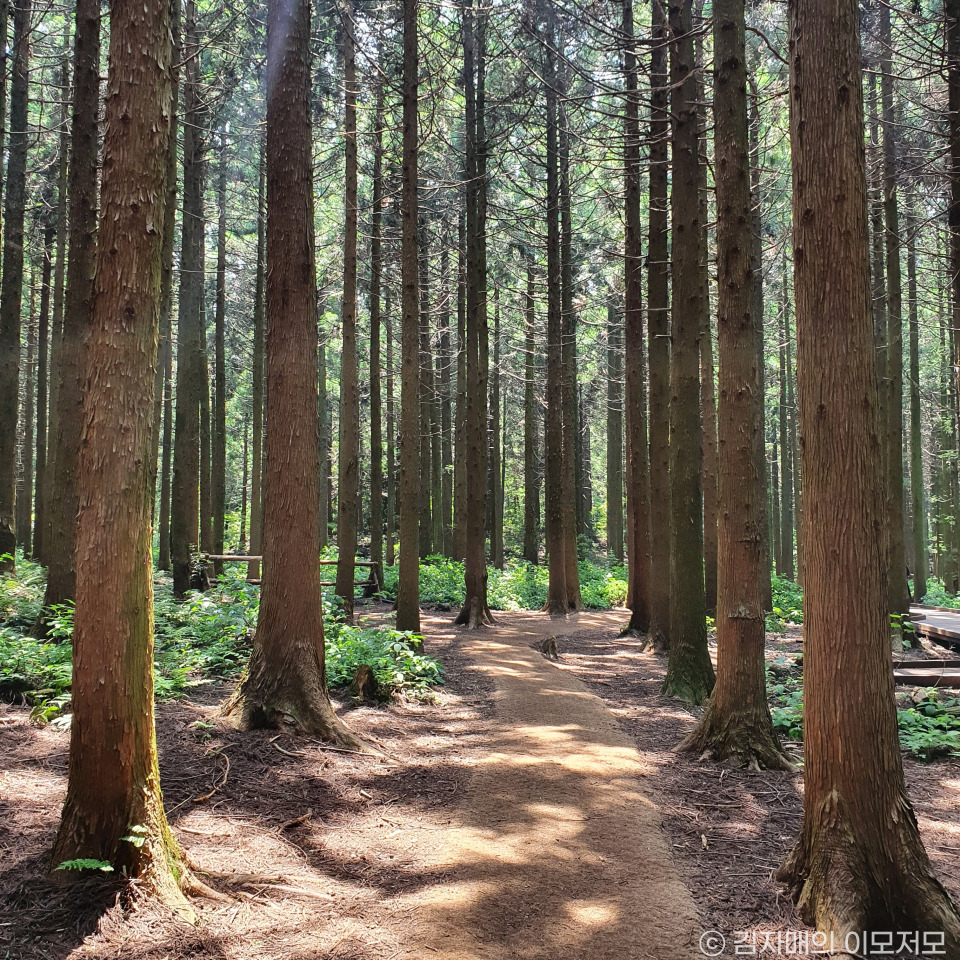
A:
(736, 723)
(658, 333)
(11, 285)
(556, 604)
(638, 492)
(475, 611)
(114, 785)
(689, 670)
(408, 487)
(348, 461)
(67, 424)
(285, 687)
(860, 862)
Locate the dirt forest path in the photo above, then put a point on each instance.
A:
(555, 850)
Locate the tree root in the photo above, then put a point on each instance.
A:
(474, 614)
(741, 733)
(846, 885)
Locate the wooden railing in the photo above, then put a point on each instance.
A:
(370, 585)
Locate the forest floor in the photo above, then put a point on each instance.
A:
(527, 810)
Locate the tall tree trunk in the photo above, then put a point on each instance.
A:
(11, 284)
(25, 478)
(786, 489)
(426, 389)
(614, 433)
(920, 557)
(114, 781)
(218, 464)
(638, 479)
(61, 538)
(245, 479)
(59, 276)
(531, 491)
(436, 446)
(376, 270)
(408, 488)
(775, 504)
(859, 864)
(446, 410)
(203, 365)
(571, 419)
(256, 430)
(586, 465)
(43, 352)
(897, 576)
(459, 427)
(391, 518)
(708, 392)
(794, 447)
(658, 309)
(475, 611)
(191, 365)
(878, 283)
(952, 15)
(495, 491)
(757, 305)
(689, 670)
(325, 430)
(165, 353)
(556, 604)
(286, 686)
(736, 723)
(348, 460)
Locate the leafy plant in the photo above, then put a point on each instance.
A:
(929, 730)
(85, 864)
(787, 604)
(393, 656)
(203, 638)
(519, 586)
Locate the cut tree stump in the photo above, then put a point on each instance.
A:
(364, 685)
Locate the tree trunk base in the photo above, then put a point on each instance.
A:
(276, 707)
(364, 685)
(474, 614)
(743, 737)
(659, 642)
(153, 857)
(556, 611)
(637, 626)
(690, 682)
(841, 884)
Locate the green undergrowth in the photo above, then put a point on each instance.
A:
(929, 725)
(937, 596)
(787, 605)
(203, 639)
(519, 586)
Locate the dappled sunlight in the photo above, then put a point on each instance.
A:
(556, 809)
(589, 913)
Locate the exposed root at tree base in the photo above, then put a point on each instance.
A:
(841, 889)
(741, 737)
(474, 614)
(295, 719)
(743, 750)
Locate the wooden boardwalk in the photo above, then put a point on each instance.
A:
(938, 624)
(942, 626)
